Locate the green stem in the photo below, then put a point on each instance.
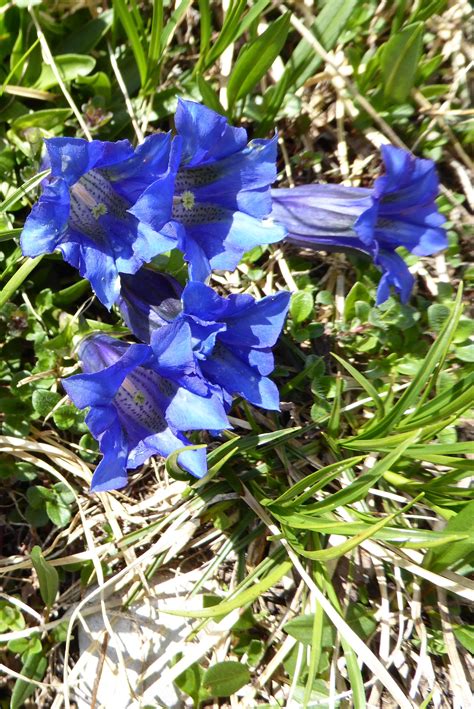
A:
(17, 279)
(10, 234)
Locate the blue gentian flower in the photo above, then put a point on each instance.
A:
(232, 338)
(148, 300)
(141, 401)
(400, 210)
(221, 186)
(84, 210)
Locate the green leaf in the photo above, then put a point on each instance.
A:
(225, 678)
(364, 383)
(58, 513)
(47, 576)
(26, 187)
(205, 26)
(301, 628)
(10, 288)
(44, 401)
(327, 27)
(361, 620)
(301, 306)
(34, 668)
(209, 96)
(357, 489)
(432, 363)
(333, 552)
(242, 598)
(65, 417)
(90, 34)
(465, 354)
(256, 58)
(176, 18)
(47, 118)
(228, 32)
(127, 19)
(450, 554)
(220, 455)
(190, 682)
(437, 315)
(358, 293)
(465, 635)
(70, 66)
(305, 488)
(399, 62)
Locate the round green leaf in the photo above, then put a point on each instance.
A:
(225, 678)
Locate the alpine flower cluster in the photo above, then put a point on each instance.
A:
(110, 209)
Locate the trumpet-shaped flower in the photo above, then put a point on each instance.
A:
(231, 338)
(85, 212)
(141, 401)
(221, 187)
(400, 210)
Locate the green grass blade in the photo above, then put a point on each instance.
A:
(434, 358)
(366, 385)
(399, 62)
(154, 47)
(17, 279)
(9, 234)
(127, 20)
(256, 58)
(228, 32)
(313, 482)
(205, 25)
(360, 487)
(242, 599)
(175, 20)
(26, 187)
(18, 64)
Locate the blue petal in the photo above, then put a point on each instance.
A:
(122, 246)
(242, 181)
(319, 210)
(250, 323)
(165, 443)
(99, 388)
(72, 157)
(395, 274)
(258, 325)
(172, 346)
(111, 472)
(408, 180)
(366, 224)
(420, 239)
(203, 302)
(236, 377)
(148, 300)
(149, 163)
(98, 266)
(203, 334)
(260, 359)
(222, 244)
(155, 203)
(47, 221)
(195, 462)
(206, 135)
(189, 412)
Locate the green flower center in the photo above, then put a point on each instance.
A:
(99, 210)
(187, 199)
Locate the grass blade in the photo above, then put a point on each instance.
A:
(128, 23)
